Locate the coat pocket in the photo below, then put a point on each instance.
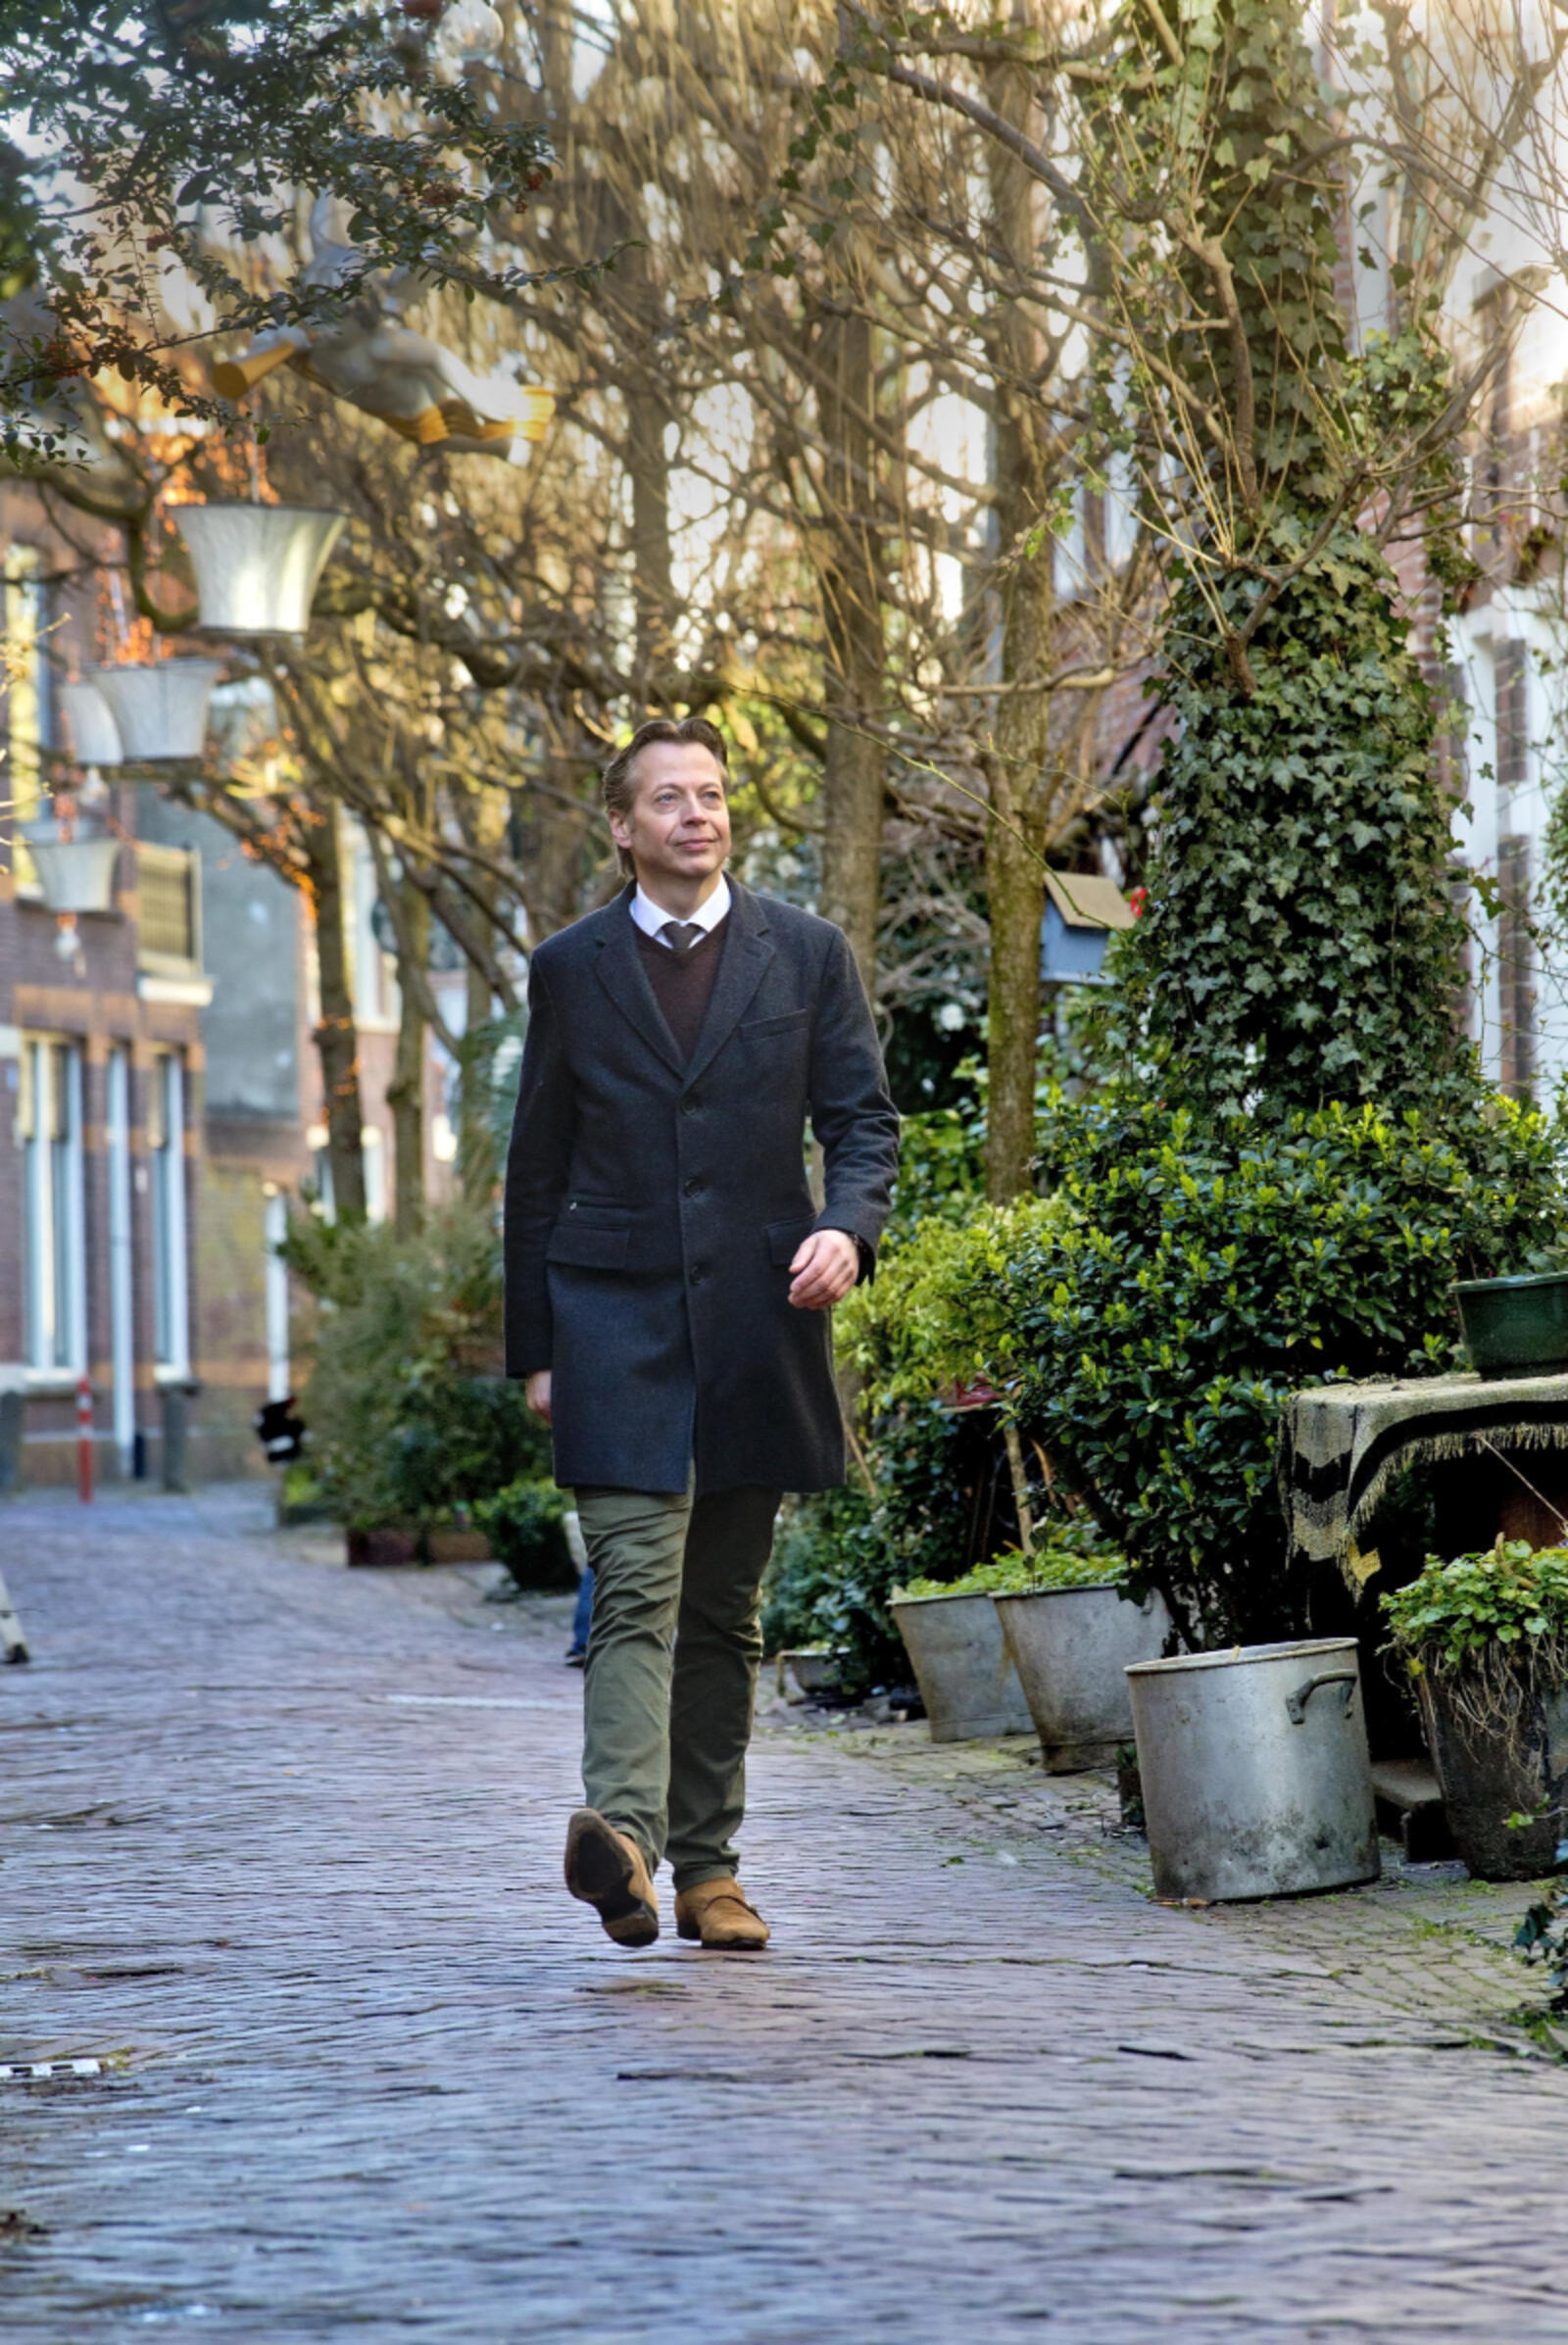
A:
(784, 1237)
(587, 1245)
(759, 1030)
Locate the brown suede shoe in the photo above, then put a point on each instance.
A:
(607, 1871)
(718, 1913)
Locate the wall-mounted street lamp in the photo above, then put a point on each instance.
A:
(90, 723)
(257, 565)
(158, 707)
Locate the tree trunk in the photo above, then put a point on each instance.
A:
(854, 766)
(648, 418)
(337, 1039)
(405, 1094)
(477, 1170)
(1013, 1028)
(1021, 736)
(651, 580)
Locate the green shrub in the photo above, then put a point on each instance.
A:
(819, 1546)
(841, 1553)
(933, 1316)
(1190, 1277)
(527, 1525)
(409, 1419)
(941, 1168)
(1015, 1574)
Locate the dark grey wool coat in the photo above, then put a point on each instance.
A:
(653, 1209)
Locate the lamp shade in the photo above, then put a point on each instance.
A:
(159, 711)
(539, 405)
(74, 864)
(94, 737)
(257, 565)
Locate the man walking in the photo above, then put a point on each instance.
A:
(669, 1285)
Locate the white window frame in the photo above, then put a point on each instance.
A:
(167, 1165)
(122, 1246)
(54, 1210)
(275, 1230)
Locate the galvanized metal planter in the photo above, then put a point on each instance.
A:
(1256, 1777)
(74, 864)
(965, 1674)
(257, 565)
(91, 724)
(159, 708)
(1516, 1768)
(1073, 1647)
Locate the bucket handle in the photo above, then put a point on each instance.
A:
(1296, 1703)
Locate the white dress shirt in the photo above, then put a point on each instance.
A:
(652, 919)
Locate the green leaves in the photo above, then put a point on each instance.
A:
(1298, 942)
(1189, 1274)
(1453, 1615)
(235, 108)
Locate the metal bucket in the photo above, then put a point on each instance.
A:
(966, 1678)
(1254, 1770)
(1073, 1647)
(257, 565)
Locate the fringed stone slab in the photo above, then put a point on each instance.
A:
(1341, 1444)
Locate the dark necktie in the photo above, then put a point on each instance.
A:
(681, 935)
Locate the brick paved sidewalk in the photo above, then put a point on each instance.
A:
(279, 1848)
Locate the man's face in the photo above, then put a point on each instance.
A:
(677, 826)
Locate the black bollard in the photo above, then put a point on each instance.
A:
(13, 1410)
(177, 1418)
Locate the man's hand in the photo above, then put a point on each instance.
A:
(537, 1393)
(823, 1270)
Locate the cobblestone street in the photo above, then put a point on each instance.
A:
(282, 1851)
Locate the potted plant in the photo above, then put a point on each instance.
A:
(1073, 1631)
(1484, 1639)
(965, 1673)
(1516, 1326)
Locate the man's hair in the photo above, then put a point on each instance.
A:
(621, 780)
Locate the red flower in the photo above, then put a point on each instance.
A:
(1136, 900)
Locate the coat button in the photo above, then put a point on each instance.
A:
(688, 1107)
(694, 1188)
(696, 1274)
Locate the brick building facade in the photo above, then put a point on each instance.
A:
(162, 1094)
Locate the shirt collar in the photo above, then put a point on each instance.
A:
(651, 917)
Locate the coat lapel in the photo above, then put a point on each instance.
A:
(625, 981)
(746, 953)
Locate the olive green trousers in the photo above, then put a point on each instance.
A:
(669, 1688)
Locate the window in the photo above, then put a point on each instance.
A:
(373, 1153)
(26, 711)
(169, 908)
(376, 1001)
(122, 1244)
(54, 1228)
(166, 1136)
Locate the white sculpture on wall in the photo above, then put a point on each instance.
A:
(369, 359)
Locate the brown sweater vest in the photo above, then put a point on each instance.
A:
(683, 982)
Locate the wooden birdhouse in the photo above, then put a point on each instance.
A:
(1082, 908)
